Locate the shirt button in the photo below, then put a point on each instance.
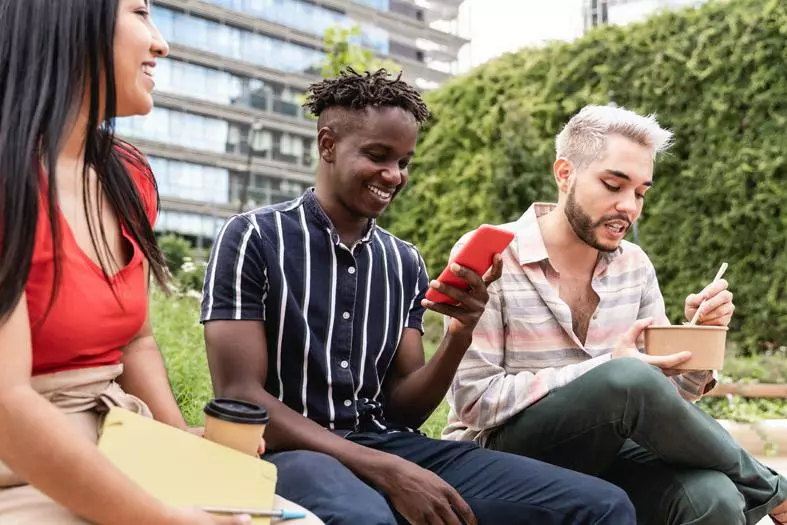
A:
(344, 364)
(346, 315)
(351, 270)
(347, 402)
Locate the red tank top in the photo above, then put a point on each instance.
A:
(86, 326)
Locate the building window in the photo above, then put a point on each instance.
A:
(380, 5)
(231, 42)
(189, 181)
(309, 18)
(202, 226)
(205, 83)
(179, 128)
(596, 13)
(267, 189)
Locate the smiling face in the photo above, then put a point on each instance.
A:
(366, 158)
(137, 45)
(603, 199)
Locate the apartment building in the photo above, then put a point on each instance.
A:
(621, 12)
(228, 132)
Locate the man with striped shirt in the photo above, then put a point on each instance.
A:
(315, 312)
(555, 370)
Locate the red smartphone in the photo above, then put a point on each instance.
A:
(477, 254)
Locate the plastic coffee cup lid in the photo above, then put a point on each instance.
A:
(236, 411)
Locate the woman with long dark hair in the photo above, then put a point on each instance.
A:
(77, 250)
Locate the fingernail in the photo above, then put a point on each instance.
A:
(244, 518)
(454, 267)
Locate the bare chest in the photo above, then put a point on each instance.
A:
(582, 300)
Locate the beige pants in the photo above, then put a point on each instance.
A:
(84, 396)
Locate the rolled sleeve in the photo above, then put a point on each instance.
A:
(691, 385)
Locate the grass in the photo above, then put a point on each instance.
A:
(434, 425)
(179, 334)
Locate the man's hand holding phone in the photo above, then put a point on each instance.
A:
(470, 303)
(460, 291)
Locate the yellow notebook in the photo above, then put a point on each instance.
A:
(185, 470)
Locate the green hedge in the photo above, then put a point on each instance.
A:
(717, 76)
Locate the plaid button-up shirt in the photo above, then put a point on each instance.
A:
(524, 345)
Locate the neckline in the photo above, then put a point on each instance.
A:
(68, 235)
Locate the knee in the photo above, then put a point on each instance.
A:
(600, 502)
(361, 509)
(632, 377)
(324, 486)
(611, 506)
(708, 498)
(365, 506)
(309, 519)
(297, 468)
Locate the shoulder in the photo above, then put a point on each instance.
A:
(260, 223)
(509, 226)
(633, 256)
(406, 250)
(140, 172)
(267, 219)
(632, 263)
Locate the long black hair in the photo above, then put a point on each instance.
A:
(53, 55)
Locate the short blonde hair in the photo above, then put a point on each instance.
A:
(583, 139)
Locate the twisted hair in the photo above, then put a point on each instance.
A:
(356, 91)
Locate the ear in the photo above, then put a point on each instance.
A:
(564, 171)
(326, 144)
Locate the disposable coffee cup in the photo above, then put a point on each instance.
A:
(707, 344)
(235, 424)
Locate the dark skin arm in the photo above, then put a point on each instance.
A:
(415, 389)
(238, 360)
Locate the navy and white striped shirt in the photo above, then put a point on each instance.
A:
(333, 315)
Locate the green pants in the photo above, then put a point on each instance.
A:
(625, 422)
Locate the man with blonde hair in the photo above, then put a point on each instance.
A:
(556, 371)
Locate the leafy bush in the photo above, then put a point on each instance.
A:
(743, 410)
(717, 76)
(176, 250)
(191, 276)
(768, 367)
(185, 263)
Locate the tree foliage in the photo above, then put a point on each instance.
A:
(717, 76)
(343, 48)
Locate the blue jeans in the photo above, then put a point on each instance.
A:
(501, 488)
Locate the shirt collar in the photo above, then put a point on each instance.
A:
(530, 241)
(318, 215)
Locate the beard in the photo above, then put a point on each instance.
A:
(583, 225)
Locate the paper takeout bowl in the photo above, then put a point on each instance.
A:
(706, 344)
